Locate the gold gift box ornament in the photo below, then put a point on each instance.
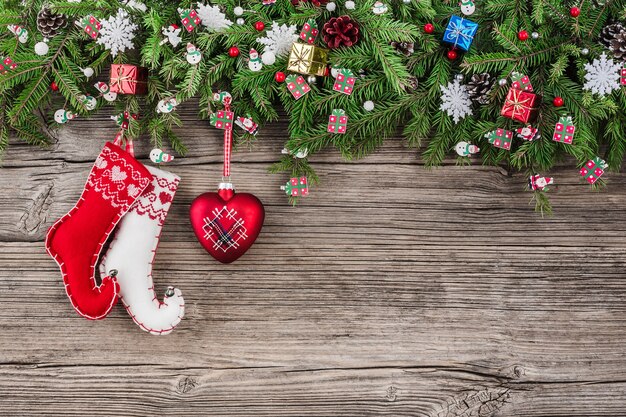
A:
(308, 59)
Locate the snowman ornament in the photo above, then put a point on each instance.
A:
(158, 156)
(167, 105)
(20, 32)
(62, 116)
(466, 149)
(105, 91)
(379, 8)
(255, 64)
(193, 55)
(467, 7)
(89, 102)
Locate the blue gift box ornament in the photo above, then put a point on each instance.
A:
(460, 33)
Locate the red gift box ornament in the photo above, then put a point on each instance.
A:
(593, 169)
(500, 138)
(520, 105)
(564, 130)
(296, 187)
(7, 65)
(128, 79)
(622, 74)
(337, 121)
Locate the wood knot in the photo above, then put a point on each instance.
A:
(35, 216)
(391, 393)
(186, 384)
(518, 371)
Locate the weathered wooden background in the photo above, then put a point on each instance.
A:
(391, 290)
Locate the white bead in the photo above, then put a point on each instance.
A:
(459, 77)
(41, 48)
(88, 72)
(240, 21)
(350, 5)
(311, 79)
(368, 105)
(406, 1)
(238, 11)
(534, 35)
(503, 82)
(268, 58)
(331, 6)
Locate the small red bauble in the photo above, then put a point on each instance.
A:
(558, 101)
(429, 28)
(452, 55)
(279, 76)
(233, 52)
(522, 35)
(259, 26)
(54, 86)
(574, 12)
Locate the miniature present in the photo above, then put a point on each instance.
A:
(623, 74)
(222, 119)
(593, 169)
(460, 33)
(520, 105)
(537, 182)
(528, 133)
(189, 18)
(297, 86)
(338, 121)
(309, 32)
(564, 130)
(123, 119)
(521, 82)
(344, 83)
(7, 65)
(500, 138)
(296, 187)
(129, 79)
(308, 59)
(90, 25)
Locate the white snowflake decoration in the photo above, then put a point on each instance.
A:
(602, 76)
(279, 39)
(456, 101)
(117, 33)
(212, 17)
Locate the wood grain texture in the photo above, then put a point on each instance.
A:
(392, 290)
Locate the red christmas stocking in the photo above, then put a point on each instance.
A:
(75, 241)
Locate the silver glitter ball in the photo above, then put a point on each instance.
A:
(502, 82)
(240, 21)
(534, 35)
(459, 77)
(311, 79)
(584, 51)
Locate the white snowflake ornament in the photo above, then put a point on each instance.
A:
(279, 39)
(456, 101)
(603, 76)
(117, 33)
(212, 17)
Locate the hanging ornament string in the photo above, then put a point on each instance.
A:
(228, 142)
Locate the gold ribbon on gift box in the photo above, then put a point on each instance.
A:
(519, 105)
(308, 59)
(120, 78)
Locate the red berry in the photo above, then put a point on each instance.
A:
(522, 35)
(452, 55)
(574, 12)
(280, 76)
(558, 101)
(259, 26)
(233, 52)
(429, 28)
(54, 86)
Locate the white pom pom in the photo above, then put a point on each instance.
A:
(240, 21)
(331, 6)
(41, 48)
(350, 5)
(268, 58)
(368, 105)
(88, 72)
(238, 11)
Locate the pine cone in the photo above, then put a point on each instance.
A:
(406, 48)
(340, 31)
(618, 46)
(50, 23)
(412, 84)
(478, 87)
(609, 32)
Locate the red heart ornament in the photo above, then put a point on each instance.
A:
(226, 224)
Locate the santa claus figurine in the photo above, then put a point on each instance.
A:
(537, 182)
